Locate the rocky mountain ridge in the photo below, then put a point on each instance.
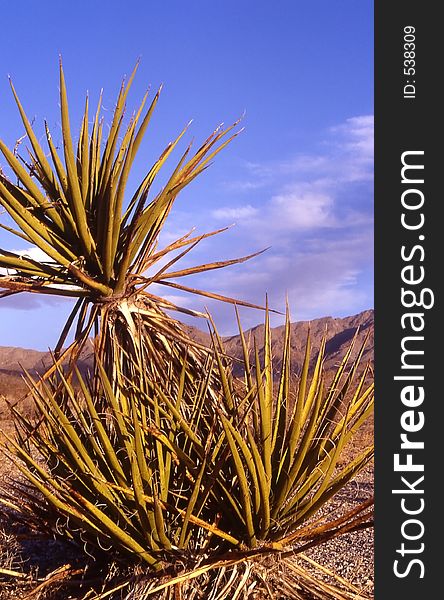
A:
(339, 331)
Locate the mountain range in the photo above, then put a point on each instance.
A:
(339, 331)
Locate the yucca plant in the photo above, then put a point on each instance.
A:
(166, 482)
(160, 459)
(101, 243)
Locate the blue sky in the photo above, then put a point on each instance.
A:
(298, 179)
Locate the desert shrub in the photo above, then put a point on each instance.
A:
(167, 480)
(161, 460)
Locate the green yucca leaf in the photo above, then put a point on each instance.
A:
(112, 218)
(267, 413)
(144, 125)
(245, 496)
(245, 352)
(27, 265)
(146, 223)
(163, 475)
(40, 164)
(282, 398)
(362, 414)
(184, 534)
(94, 159)
(180, 421)
(78, 206)
(264, 486)
(76, 448)
(304, 400)
(197, 417)
(172, 434)
(83, 154)
(35, 230)
(146, 517)
(293, 464)
(145, 471)
(310, 505)
(160, 524)
(118, 534)
(115, 467)
(254, 465)
(20, 452)
(297, 420)
(41, 160)
(329, 466)
(174, 449)
(61, 193)
(34, 195)
(265, 416)
(108, 155)
(137, 202)
(226, 382)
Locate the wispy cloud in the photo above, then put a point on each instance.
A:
(309, 190)
(295, 210)
(34, 253)
(358, 136)
(240, 212)
(245, 185)
(28, 301)
(319, 275)
(31, 252)
(345, 155)
(316, 212)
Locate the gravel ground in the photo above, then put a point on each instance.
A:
(351, 555)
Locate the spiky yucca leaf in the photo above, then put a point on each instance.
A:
(101, 243)
(285, 443)
(74, 211)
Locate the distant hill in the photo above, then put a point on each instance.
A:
(340, 332)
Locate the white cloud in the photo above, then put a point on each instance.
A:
(314, 191)
(356, 148)
(245, 185)
(321, 277)
(316, 285)
(260, 170)
(33, 253)
(318, 219)
(358, 133)
(293, 210)
(305, 164)
(345, 154)
(240, 212)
